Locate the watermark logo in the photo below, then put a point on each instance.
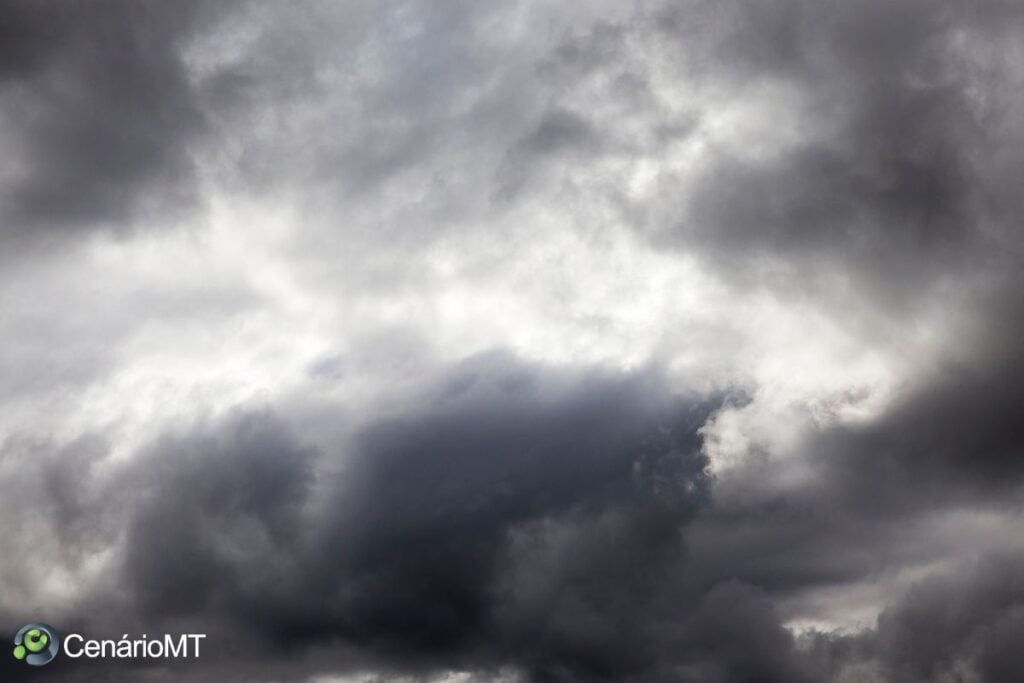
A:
(36, 644)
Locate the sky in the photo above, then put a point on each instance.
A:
(468, 341)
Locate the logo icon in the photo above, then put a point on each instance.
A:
(36, 644)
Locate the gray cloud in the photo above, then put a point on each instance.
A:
(960, 625)
(98, 117)
(886, 167)
(396, 187)
(557, 551)
(579, 541)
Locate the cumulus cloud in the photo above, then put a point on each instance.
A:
(663, 341)
(560, 495)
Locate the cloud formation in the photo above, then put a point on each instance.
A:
(99, 114)
(382, 341)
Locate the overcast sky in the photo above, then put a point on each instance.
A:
(529, 342)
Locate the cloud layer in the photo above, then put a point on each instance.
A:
(388, 341)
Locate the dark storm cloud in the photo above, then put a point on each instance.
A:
(976, 619)
(212, 512)
(409, 562)
(962, 625)
(958, 437)
(97, 115)
(524, 519)
(536, 463)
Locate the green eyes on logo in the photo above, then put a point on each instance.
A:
(36, 644)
